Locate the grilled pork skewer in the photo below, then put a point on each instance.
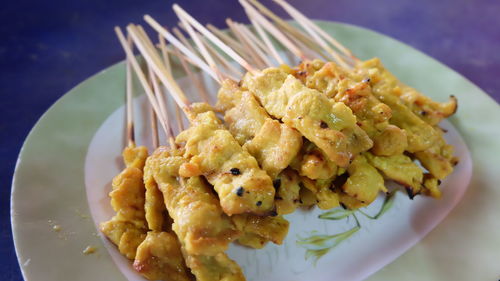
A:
(212, 151)
(411, 111)
(204, 231)
(156, 254)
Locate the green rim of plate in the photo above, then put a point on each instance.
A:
(48, 185)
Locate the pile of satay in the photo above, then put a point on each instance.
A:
(328, 132)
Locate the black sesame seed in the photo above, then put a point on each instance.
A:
(240, 191)
(323, 125)
(367, 80)
(258, 203)
(235, 171)
(277, 183)
(439, 182)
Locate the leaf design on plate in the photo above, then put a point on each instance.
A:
(318, 245)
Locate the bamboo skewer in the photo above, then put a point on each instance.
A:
(253, 38)
(166, 60)
(181, 13)
(174, 41)
(258, 62)
(254, 14)
(189, 72)
(217, 56)
(267, 41)
(128, 97)
(293, 32)
(234, 44)
(308, 27)
(234, 73)
(154, 128)
(152, 58)
(254, 43)
(314, 30)
(201, 48)
(164, 52)
(140, 74)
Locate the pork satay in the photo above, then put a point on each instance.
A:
(199, 221)
(159, 258)
(214, 268)
(258, 229)
(245, 118)
(125, 235)
(430, 111)
(273, 144)
(399, 168)
(354, 90)
(307, 109)
(323, 190)
(127, 229)
(154, 206)
(329, 125)
(213, 151)
(364, 182)
(420, 134)
(438, 159)
(160, 253)
(287, 186)
(241, 184)
(204, 231)
(313, 163)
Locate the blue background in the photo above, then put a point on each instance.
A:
(48, 47)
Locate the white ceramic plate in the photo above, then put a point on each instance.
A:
(64, 169)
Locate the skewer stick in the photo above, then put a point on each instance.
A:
(158, 94)
(267, 41)
(191, 76)
(129, 98)
(289, 29)
(212, 52)
(174, 41)
(181, 13)
(252, 13)
(156, 86)
(310, 26)
(149, 53)
(164, 52)
(251, 52)
(252, 36)
(194, 78)
(201, 47)
(309, 29)
(154, 128)
(234, 44)
(234, 72)
(258, 45)
(210, 49)
(166, 60)
(139, 73)
(151, 56)
(183, 39)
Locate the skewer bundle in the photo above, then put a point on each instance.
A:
(327, 132)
